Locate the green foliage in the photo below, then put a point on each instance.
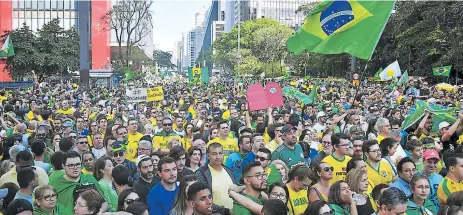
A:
(53, 51)
(163, 59)
(205, 56)
(262, 48)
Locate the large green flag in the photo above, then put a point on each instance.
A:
(335, 27)
(198, 75)
(313, 94)
(403, 79)
(441, 71)
(128, 75)
(7, 49)
(293, 92)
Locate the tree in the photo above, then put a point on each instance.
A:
(53, 51)
(262, 48)
(205, 56)
(131, 22)
(163, 59)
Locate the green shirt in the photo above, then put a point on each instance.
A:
(65, 190)
(109, 194)
(338, 210)
(239, 209)
(290, 156)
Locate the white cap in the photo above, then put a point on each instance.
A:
(321, 114)
(141, 158)
(443, 124)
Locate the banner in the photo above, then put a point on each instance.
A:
(274, 94)
(155, 94)
(257, 97)
(136, 95)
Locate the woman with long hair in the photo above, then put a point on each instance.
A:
(193, 161)
(102, 171)
(126, 197)
(181, 206)
(92, 130)
(340, 199)
(45, 200)
(12, 190)
(186, 141)
(318, 207)
(419, 203)
(321, 190)
(388, 147)
(276, 191)
(357, 180)
(90, 202)
(137, 208)
(55, 138)
(282, 169)
(372, 133)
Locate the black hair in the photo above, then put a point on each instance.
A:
(56, 160)
(249, 166)
(214, 145)
(38, 147)
(385, 144)
(122, 196)
(351, 164)
(334, 196)
(300, 171)
(402, 162)
(314, 207)
(391, 197)
(266, 151)
(12, 190)
(274, 207)
(260, 127)
(197, 136)
(70, 154)
(241, 138)
(120, 175)
(452, 160)
(108, 138)
(376, 192)
(24, 155)
(136, 208)
(367, 144)
(336, 138)
(279, 184)
(65, 144)
(194, 189)
(25, 177)
(176, 152)
(164, 160)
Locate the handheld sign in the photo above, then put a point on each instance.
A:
(257, 97)
(274, 94)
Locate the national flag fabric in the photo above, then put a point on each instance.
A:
(438, 112)
(7, 49)
(403, 79)
(335, 27)
(313, 94)
(376, 77)
(293, 92)
(128, 75)
(198, 75)
(441, 71)
(273, 175)
(391, 71)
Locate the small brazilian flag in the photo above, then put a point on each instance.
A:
(441, 71)
(347, 26)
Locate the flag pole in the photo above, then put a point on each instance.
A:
(360, 78)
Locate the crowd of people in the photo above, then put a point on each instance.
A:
(67, 149)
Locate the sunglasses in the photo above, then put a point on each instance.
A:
(167, 124)
(261, 159)
(118, 154)
(327, 169)
(73, 137)
(130, 201)
(85, 142)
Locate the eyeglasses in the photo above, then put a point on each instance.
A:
(261, 159)
(326, 142)
(280, 196)
(327, 169)
(84, 142)
(375, 151)
(259, 176)
(49, 197)
(130, 201)
(167, 124)
(73, 137)
(74, 166)
(118, 154)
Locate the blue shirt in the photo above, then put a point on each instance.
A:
(434, 180)
(402, 185)
(21, 196)
(234, 162)
(160, 201)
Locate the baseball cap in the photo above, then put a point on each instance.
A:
(18, 206)
(287, 128)
(67, 124)
(443, 124)
(430, 153)
(321, 114)
(142, 158)
(118, 146)
(355, 129)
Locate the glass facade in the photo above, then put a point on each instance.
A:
(35, 13)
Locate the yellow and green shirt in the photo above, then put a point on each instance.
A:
(229, 146)
(161, 139)
(446, 187)
(382, 175)
(132, 145)
(297, 201)
(339, 165)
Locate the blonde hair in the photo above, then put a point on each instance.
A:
(353, 179)
(284, 165)
(40, 191)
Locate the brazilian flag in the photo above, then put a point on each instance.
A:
(441, 71)
(377, 78)
(198, 75)
(343, 26)
(128, 75)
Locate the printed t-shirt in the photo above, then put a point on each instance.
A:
(132, 145)
(339, 166)
(446, 187)
(297, 202)
(291, 157)
(383, 175)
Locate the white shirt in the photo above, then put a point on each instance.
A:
(98, 153)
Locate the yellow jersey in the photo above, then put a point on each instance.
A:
(272, 145)
(132, 145)
(69, 111)
(31, 116)
(297, 201)
(379, 138)
(446, 187)
(340, 167)
(161, 139)
(383, 175)
(229, 146)
(85, 171)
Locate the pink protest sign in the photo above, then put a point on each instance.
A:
(257, 97)
(274, 94)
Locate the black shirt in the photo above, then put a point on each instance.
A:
(142, 187)
(184, 173)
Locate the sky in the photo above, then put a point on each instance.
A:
(171, 18)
